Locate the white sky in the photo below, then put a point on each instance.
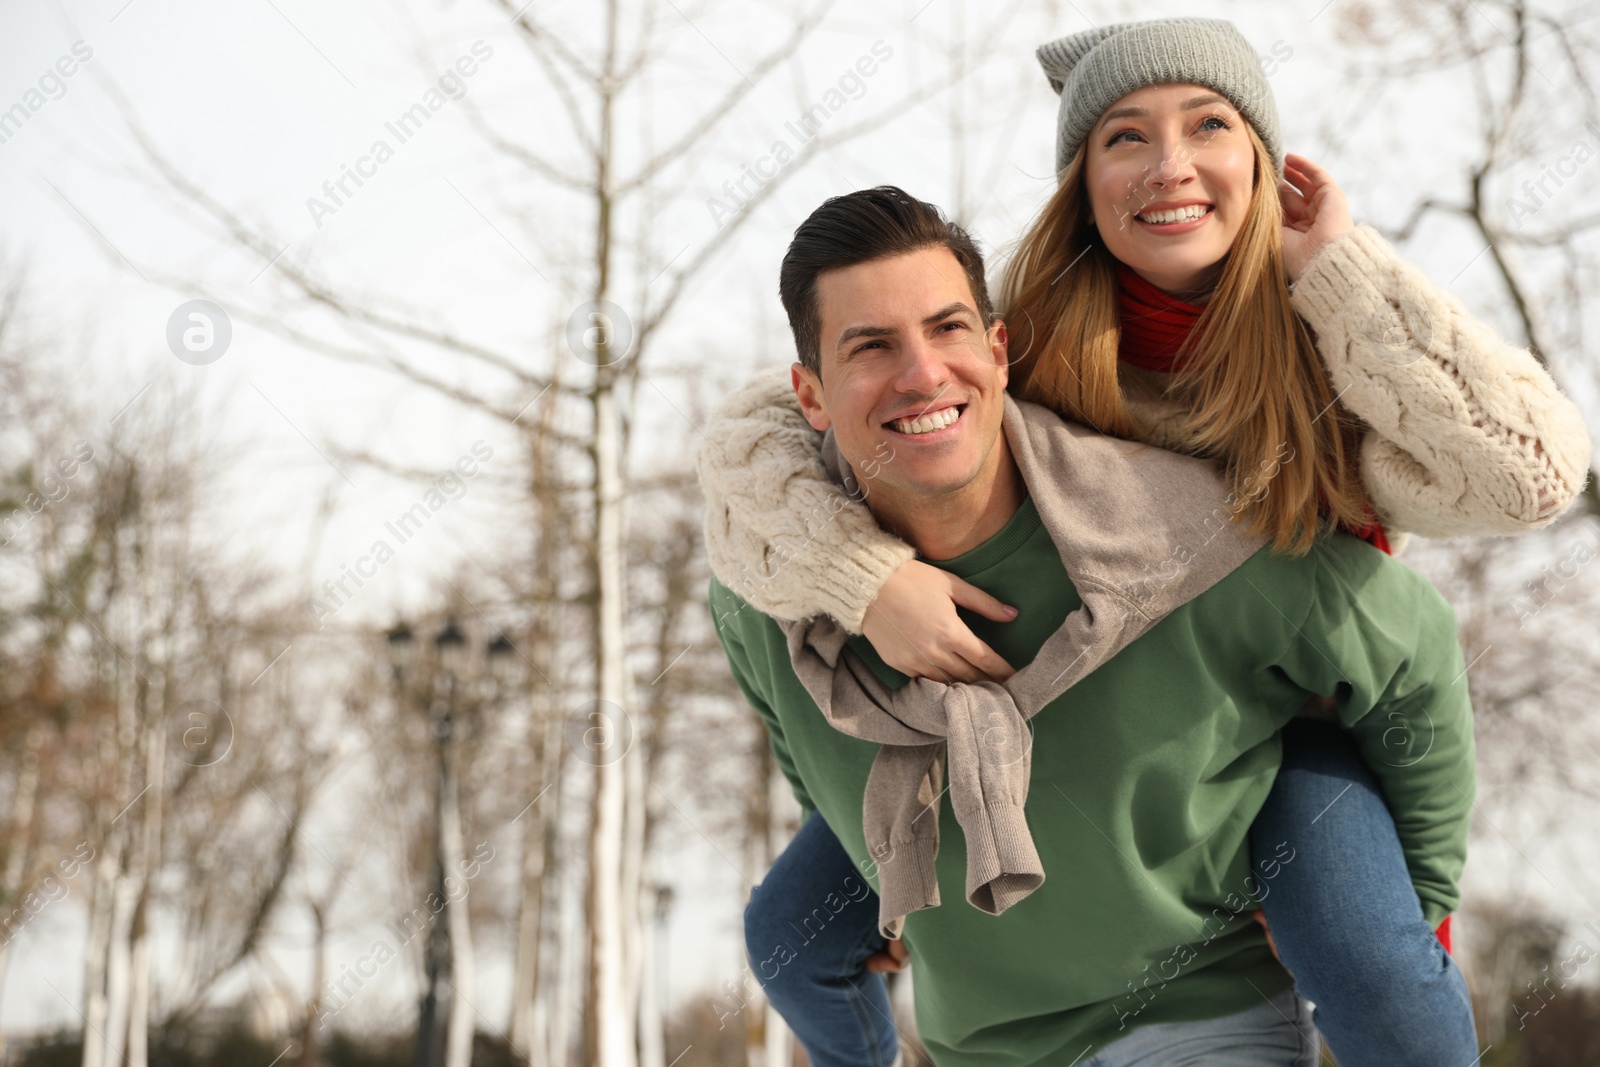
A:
(263, 101)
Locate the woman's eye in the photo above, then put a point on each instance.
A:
(1206, 124)
(1118, 136)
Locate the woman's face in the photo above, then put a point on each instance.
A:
(1169, 172)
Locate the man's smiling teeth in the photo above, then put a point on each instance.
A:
(1179, 214)
(938, 420)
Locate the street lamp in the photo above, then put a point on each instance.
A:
(435, 691)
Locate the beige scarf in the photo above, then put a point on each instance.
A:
(1141, 531)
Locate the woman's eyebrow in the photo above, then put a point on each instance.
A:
(1139, 112)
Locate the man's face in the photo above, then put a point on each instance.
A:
(912, 382)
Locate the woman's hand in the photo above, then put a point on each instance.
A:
(894, 958)
(1315, 213)
(914, 626)
(1261, 921)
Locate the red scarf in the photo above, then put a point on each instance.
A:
(1154, 327)
(1154, 324)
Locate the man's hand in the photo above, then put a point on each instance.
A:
(914, 626)
(894, 958)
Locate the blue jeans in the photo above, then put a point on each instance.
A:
(1345, 919)
(1274, 1033)
(1344, 916)
(809, 928)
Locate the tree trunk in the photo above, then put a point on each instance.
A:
(612, 1014)
(138, 1048)
(96, 953)
(18, 833)
(310, 1052)
(567, 987)
(119, 965)
(138, 1054)
(530, 924)
(636, 922)
(556, 1008)
(458, 1042)
(780, 1042)
(652, 1034)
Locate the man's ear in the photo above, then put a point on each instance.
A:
(1000, 347)
(808, 388)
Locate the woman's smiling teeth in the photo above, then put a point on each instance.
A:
(1177, 214)
(936, 420)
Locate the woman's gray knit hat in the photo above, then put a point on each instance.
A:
(1094, 69)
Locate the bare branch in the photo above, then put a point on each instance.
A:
(740, 90)
(682, 277)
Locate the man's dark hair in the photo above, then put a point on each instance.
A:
(856, 228)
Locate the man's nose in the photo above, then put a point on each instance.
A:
(923, 368)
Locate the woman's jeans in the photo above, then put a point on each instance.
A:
(1344, 916)
(812, 962)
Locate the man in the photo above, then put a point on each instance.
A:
(1117, 917)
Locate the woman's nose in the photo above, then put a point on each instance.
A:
(1176, 167)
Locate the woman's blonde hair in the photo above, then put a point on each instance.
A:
(1258, 392)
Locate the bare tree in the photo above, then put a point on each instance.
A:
(1531, 68)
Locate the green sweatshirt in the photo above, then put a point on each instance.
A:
(1146, 776)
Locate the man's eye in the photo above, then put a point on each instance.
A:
(950, 325)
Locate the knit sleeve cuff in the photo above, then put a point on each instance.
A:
(1003, 864)
(779, 531)
(848, 582)
(1343, 278)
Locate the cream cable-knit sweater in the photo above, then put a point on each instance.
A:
(1467, 436)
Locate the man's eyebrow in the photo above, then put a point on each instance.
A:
(866, 331)
(1139, 112)
(956, 308)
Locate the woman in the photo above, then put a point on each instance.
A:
(1151, 299)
